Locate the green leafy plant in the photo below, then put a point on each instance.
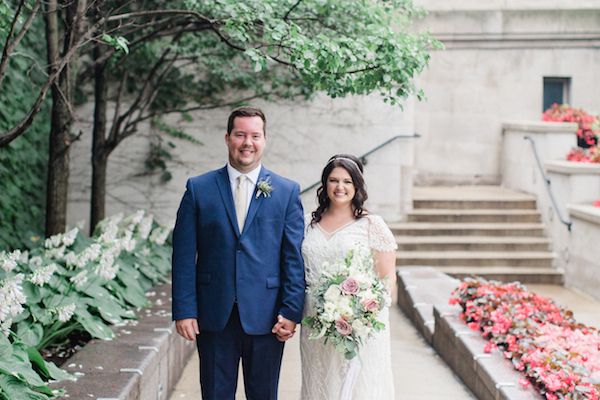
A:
(73, 283)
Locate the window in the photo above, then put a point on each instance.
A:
(556, 90)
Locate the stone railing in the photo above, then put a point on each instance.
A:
(575, 186)
(388, 174)
(520, 169)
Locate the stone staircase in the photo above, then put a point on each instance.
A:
(477, 230)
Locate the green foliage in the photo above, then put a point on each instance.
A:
(23, 163)
(73, 283)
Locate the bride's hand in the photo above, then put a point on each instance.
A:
(284, 329)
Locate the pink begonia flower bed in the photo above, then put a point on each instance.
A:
(557, 355)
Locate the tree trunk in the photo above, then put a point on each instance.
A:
(58, 158)
(99, 153)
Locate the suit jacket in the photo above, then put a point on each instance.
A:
(216, 265)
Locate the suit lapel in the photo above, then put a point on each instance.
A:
(225, 190)
(256, 202)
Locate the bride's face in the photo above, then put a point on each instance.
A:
(340, 188)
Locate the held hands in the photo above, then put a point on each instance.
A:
(284, 329)
(188, 328)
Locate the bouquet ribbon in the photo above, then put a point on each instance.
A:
(353, 368)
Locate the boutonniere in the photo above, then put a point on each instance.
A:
(264, 187)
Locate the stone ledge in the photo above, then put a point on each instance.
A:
(585, 212)
(423, 294)
(488, 375)
(572, 168)
(143, 362)
(419, 290)
(538, 127)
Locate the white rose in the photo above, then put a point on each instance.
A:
(361, 329)
(344, 307)
(332, 294)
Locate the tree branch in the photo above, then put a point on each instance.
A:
(21, 126)
(287, 14)
(9, 47)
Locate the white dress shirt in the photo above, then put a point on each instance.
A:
(252, 177)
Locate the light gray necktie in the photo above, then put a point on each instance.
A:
(241, 200)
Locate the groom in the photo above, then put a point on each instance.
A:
(238, 275)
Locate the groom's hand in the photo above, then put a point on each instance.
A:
(188, 328)
(284, 329)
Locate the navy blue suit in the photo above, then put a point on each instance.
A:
(236, 283)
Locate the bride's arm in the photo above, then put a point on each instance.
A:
(385, 264)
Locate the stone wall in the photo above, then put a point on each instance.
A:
(301, 138)
(492, 68)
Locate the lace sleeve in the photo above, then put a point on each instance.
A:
(381, 237)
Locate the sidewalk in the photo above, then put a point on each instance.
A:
(413, 361)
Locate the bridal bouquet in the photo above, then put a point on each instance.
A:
(348, 297)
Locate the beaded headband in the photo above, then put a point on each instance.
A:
(347, 159)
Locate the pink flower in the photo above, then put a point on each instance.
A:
(473, 325)
(370, 305)
(343, 327)
(489, 346)
(349, 286)
(524, 382)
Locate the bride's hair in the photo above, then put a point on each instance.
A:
(355, 168)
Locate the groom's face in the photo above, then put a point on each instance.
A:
(246, 143)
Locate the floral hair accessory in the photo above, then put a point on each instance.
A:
(263, 187)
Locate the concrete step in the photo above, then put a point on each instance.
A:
(466, 229)
(474, 243)
(482, 259)
(458, 215)
(505, 273)
(470, 204)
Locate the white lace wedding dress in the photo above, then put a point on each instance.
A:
(323, 369)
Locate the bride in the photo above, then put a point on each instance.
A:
(337, 225)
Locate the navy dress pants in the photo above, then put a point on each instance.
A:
(220, 354)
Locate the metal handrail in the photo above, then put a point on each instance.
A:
(363, 158)
(548, 182)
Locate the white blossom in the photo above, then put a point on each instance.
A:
(41, 276)
(24, 257)
(129, 244)
(159, 235)
(145, 227)
(109, 233)
(91, 253)
(71, 259)
(56, 253)
(53, 241)
(137, 217)
(7, 262)
(11, 297)
(145, 251)
(80, 279)
(69, 237)
(65, 312)
(107, 268)
(5, 327)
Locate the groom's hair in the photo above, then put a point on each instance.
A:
(246, 111)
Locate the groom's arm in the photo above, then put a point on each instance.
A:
(292, 265)
(185, 303)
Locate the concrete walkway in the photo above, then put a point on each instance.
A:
(414, 362)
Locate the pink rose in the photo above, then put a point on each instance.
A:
(370, 305)
(349, 286)
(343, 327)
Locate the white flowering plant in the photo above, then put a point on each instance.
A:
(348, 295)
(73, 283)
